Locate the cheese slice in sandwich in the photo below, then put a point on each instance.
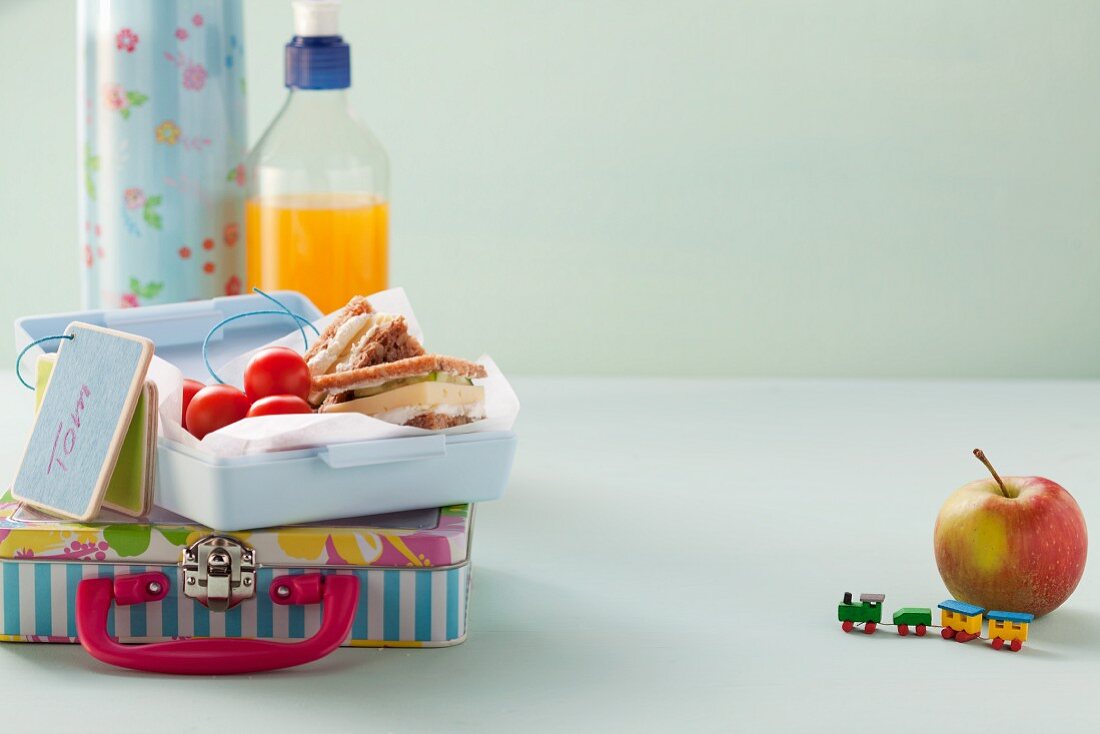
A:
(359, 337)
(429, 391)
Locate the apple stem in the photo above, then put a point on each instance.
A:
(982, 458)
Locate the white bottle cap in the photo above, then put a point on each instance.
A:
(316, 17)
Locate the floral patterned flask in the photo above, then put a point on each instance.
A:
(162, 140)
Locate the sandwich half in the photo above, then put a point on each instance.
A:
(359, 337)
(426, 391)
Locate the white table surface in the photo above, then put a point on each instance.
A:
(669, 557)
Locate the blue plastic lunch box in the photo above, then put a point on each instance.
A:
(289, 487)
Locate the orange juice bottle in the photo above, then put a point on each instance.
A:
(317, 214)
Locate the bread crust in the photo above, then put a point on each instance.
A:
(402, 368)
(437, 421)
(357, 306)
(335, 398)
(369, 337)
(391, 343)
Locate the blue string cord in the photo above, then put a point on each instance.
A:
(35, 343)
(301, 322)
(289, 313)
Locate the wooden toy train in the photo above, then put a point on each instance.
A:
(958, 620)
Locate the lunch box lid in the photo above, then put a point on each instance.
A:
(417, 538)
(178, 329)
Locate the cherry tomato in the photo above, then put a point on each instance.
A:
(276, 371)
(279, 405)
(190, 387)
(214, 407)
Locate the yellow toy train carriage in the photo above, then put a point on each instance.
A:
(1010, 627)
(960, 620)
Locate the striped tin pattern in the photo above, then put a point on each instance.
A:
(414, 608)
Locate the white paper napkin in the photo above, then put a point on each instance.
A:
(287, 432)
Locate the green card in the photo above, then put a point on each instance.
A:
(130, 487)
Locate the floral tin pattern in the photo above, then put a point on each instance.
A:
(161, 94)
(417, 539)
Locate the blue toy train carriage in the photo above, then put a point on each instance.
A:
(960, 620)
(1010, 627)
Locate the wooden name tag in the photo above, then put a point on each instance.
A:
(85, 412)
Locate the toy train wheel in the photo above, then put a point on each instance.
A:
(903, 629)
(947, 633)
(847, 625)
(998, 643)
(869, 628)
(1015, 645)
(964, 637)
(921, 629)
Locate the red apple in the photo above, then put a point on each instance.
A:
(1015, 544)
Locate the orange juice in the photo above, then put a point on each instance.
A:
(328, 246)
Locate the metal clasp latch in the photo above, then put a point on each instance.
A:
(219, 572)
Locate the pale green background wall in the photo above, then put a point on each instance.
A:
(714, 188)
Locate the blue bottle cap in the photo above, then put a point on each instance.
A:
(318, 62)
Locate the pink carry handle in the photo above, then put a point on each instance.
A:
(340, 595)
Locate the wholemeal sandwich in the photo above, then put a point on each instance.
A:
(429, 391)
(368, 362)
(359, 337)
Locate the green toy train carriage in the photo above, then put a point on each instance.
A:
(867, 612)
(919, 618)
